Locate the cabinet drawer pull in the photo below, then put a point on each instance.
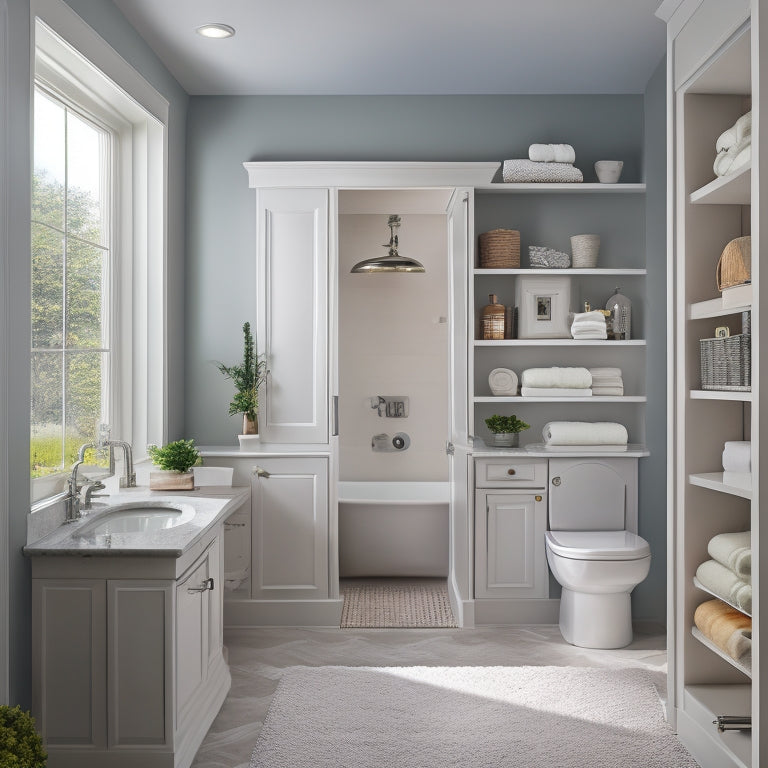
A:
(511, 472)
(260, 472)
(204, 587)
(538, 498)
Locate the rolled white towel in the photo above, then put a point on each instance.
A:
(731, 160)
(555, 392)
(737, 456)
(551, 153)
(725, 583)
(734, 551)
(569, 378)
(584, 433)
(741, 128)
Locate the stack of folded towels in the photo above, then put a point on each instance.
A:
(729, 629)
(604, 433)
(734, 147)
(607, 382)
(556, 382)
(589, 325)
(729, 572)
(545, 163)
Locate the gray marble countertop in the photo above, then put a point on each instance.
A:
(210, 506)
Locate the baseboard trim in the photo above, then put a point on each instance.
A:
(463, 610)
(282, 613)
(511, 611)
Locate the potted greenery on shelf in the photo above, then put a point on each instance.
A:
(20, 744)
(506, 429)
(176, 460)
(247, 377)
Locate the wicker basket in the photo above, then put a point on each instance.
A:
(726, 363)
(500, 249)
(585, 249)
(735, 264)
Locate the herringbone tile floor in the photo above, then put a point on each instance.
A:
(257, 658)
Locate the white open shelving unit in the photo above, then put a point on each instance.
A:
(712, 58)
(548, 214)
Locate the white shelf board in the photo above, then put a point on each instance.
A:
(569, 187)
(558, 343)
(726, 190)
(704, 702)
(592, 399)
(715, 394)
(601, 271)
(699, 585)
(745, 665)
(714, 481)
(714, 308)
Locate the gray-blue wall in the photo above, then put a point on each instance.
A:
(223, 132)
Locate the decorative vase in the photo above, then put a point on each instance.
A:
(506, 439)
(250, 426)
(165, 480)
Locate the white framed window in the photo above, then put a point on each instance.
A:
(98, 249)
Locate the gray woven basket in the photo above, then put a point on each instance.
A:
(726, 363)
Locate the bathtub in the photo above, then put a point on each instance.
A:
(393, 529)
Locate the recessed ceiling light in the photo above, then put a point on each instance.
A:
(216, 30)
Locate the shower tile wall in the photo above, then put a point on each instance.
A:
(392, 342)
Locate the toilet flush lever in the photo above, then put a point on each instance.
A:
(556, 481)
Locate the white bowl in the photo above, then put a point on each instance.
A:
(608, 171)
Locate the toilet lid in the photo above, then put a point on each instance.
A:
(598, 545)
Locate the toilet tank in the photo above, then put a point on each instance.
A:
(593, 494)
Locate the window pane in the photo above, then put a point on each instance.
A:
(49, 176)
(47, 438)
(47, 287)
(86, 291)
(84, 373)
(87, 169)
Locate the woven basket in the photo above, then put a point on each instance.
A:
(726, 363)
(585, 249)
(735, 264)
(500, 249)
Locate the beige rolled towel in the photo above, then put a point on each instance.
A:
(734, 551)
(729, 629)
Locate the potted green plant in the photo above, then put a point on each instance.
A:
(20, 744)
(247, 377)
(175, 461)
(506, 429)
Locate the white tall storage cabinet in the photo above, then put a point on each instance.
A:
(716, 57)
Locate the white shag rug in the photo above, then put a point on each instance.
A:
(466, 717)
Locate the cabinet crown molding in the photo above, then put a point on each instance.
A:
(320, 173)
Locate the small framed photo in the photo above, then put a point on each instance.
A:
(543, 304)
(722, 332)
(543, 308)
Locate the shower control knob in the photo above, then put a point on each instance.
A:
(398, 442)
(556, 481)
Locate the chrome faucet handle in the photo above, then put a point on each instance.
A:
(87, 493)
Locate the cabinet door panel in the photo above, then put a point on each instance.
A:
(293, 313)
(192, 634)
(510, 559)
(290, 529)
(69, 669)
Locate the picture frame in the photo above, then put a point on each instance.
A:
(543, 304)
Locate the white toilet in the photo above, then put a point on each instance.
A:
(593, 549)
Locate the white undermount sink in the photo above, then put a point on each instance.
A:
(139, 517)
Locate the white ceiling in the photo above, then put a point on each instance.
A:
(302, 47)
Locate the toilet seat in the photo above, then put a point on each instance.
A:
(597, 545)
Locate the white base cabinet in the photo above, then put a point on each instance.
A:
(128, 671)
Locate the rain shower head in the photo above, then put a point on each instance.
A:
(393, 261)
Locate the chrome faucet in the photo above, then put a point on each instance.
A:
(128, 480)
(73, 497)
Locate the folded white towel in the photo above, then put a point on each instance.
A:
(589, 325)
(552, 153)
(607, 391)
(584, 433)
(569, 378)
(734, 551)
(590, 332)
(733, 159)
(724, 583)
(555, 392)
(594, 316)
(741, 128)
(526, 171)
(598, 373)
(737, 456)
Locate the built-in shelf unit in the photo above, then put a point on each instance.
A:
(713, 55)
(548, 214)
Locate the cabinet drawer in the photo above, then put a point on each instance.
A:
(504, 473)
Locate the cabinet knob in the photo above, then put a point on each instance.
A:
(260, 472)
(538, 498)
(511, 472)
(556, 481)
